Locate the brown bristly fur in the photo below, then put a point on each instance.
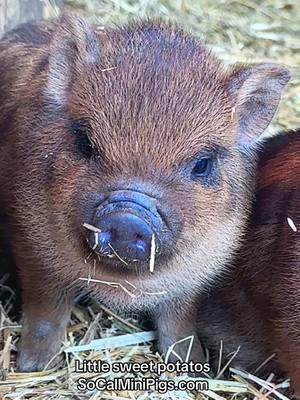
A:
(153, 98)
(256, 306)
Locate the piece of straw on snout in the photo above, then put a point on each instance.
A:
(91, 228)
(152, 254)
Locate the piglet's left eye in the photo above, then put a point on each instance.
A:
(202, 168)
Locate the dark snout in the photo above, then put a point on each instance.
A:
(126, 233)
(126, 223)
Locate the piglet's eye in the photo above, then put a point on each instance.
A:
(82, 131)
(202, 168)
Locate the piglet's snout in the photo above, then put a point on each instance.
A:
(127, 221)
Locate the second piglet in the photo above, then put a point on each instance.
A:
(127, 157)
(256, 307)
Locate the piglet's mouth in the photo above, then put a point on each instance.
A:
(125, 229)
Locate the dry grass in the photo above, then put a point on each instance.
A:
(238, 31)
(121, 341)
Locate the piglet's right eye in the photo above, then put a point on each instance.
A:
(82, 132)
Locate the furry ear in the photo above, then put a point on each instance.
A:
(74, 44)
(256, 90)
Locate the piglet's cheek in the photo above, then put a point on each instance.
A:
(65, 181)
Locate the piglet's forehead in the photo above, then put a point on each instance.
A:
(154, 59)
(173, 122)
(154, 89)
(135, 109)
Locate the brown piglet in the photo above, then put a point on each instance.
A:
(127, 160)
(256, 307)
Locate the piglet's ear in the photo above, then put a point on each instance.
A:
(256, 90)
(73, 48)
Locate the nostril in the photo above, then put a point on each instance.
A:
(104, 238)
(138, 236)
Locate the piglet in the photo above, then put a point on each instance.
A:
(127, 161)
